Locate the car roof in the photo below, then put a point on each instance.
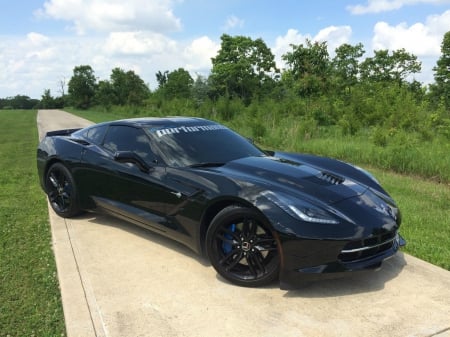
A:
(161, 121)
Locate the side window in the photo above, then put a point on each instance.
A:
(126, 138)
(96, 134)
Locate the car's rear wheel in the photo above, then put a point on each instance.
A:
(242, 248)
(61, 191)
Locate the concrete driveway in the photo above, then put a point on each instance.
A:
(120, 280)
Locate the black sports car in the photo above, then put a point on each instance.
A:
(258, 215)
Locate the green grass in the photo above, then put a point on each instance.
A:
(429, 159)
(425, 207)
(30, 303)
(425, 203)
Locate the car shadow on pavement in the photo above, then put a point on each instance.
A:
(349, 284)
(151, 236)
(352, 283)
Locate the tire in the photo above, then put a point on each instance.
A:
(241, 247)
(61, 191)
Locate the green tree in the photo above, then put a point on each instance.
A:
(346, 64)
(47, 100)
(128, 87)
(82, 86)
(19, 102)
(385, 67)
(243, 68)
(161, 78)
(105, 95)
(308, 68)
(200, 89)
(178, 84)
(441, 88)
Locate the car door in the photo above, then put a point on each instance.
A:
(124, 189)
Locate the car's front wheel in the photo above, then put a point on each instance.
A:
(242, 248)
(61, 191)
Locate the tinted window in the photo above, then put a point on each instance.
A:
(95, 134)
(203, 143)
(125, 138)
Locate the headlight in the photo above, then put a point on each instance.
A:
(300, 209)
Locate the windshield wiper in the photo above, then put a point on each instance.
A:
(207, 164)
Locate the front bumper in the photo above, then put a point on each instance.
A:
(297, 269)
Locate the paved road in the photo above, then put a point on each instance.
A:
(120, 280)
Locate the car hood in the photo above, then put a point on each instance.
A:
(296, 178)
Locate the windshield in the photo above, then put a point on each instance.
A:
(200, 144)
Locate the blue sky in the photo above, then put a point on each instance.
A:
(42, 41)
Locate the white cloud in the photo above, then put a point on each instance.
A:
(421, 39)
(378, 6)
(439, 23)
(138, 43)
(34, 63)
(233, 22)
(415, 39)
(38, 47)
(113, 15)
(197, 55)
(334, 36)
(37, 39)
(37, 62)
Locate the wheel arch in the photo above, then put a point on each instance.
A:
(51, 161)
(47, 166)
(215, 207)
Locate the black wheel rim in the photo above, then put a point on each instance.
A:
(59, 189)
(245, 249)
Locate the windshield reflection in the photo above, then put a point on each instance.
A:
(209, 143)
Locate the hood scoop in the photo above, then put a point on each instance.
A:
(293, 177)
(328, 178)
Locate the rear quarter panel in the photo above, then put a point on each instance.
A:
(56, 149)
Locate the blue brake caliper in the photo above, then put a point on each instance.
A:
(226, 246)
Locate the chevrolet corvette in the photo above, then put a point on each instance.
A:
(259, 216)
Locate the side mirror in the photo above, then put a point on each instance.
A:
(133, 158)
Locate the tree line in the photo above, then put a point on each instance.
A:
(348, 89)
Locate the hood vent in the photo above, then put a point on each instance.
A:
(331, 178)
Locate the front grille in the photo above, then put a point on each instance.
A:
(363, 249)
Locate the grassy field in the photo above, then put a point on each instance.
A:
(425, 207)
(30, 303)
